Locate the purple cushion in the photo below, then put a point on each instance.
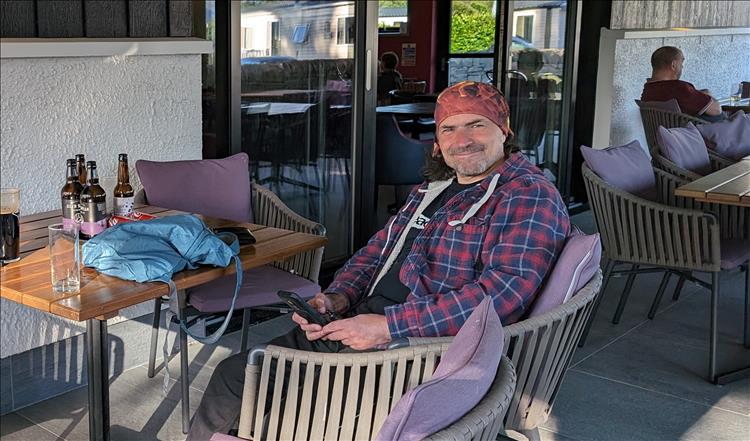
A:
(685, 147)
(734, 252)
(626, 167)
(259, 287)
(212, 187)
(670, 105)
(577, 264)
(464, 375)
(729, 138)
(224, 437)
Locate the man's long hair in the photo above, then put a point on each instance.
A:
(435, 168)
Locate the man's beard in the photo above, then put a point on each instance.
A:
(476, 167)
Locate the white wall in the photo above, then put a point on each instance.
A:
(52, 108)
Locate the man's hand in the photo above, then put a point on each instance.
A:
(360, 332)
(322, 303)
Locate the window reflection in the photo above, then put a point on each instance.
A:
(297, 62)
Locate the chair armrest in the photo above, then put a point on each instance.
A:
(717, 161)
(269, 210)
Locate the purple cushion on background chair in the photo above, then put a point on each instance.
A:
(577, 264)
(729, 138)
(213, 187)
(734, 252)
(259, 287)
(626, 167)
(685, 147)
(464, 375)
(670, 105)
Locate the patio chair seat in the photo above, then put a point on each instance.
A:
(259, 287)
(734, 252)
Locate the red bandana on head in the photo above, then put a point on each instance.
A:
(476, 98)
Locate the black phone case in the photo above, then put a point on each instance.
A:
(303, 308)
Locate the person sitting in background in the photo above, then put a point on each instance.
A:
(486, 222)
(665, 84)
(388, 78)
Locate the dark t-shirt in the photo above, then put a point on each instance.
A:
(389, 290)
(691, 100)
(387, 81)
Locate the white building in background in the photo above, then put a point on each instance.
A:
(302, 31)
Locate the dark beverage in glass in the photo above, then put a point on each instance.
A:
(10, 231)
(81, 167)
(71, 196)
(93, 204)
(123, 194)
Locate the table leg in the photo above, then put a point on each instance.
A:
(97, 346)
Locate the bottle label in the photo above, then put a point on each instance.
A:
(94, 217)
(124, 206)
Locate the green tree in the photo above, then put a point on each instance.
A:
(472, 26)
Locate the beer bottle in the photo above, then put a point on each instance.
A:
(81, 166)
(123, 191)
(71, 196)
(93, 204)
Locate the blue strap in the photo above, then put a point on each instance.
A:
(213, 338)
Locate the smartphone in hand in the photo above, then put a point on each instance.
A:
(304, 309)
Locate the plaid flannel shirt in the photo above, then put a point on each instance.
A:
(504, 250)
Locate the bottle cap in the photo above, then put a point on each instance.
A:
(122, 157)
(80, 156)
(71, 161)
(91, 164)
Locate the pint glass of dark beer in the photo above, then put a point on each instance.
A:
(10, 202)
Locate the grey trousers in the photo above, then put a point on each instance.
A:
(219, 410)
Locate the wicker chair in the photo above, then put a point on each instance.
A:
(660, 237)
(268, 210)
(653, 118)
(541, 348)
(351, 408)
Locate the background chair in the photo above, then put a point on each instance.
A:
(653, 237)
(347, 415)
(299, 274)
(399, 159)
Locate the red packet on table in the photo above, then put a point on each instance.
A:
(132, 217)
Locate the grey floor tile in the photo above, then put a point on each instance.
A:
(14, 427)
(6, 385)
(603, 331)
(139, 411)
(670, 353)
(592, 408)
(546, 435)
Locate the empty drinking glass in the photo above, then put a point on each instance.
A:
(736, 92)
(64, 257)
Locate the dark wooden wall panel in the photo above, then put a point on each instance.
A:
(106, 18)
(60, 18)
(148, 18)
(180, 18)
(650, 14)
(17, 19)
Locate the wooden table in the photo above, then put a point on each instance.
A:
(101, 297)
(730, 106)
(730, 185)
(413, 110)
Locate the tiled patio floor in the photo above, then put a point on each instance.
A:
(638, 380)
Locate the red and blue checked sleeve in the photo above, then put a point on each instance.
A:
(527, 232)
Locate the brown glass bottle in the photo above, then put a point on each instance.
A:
(71, 196)
(93, 204)
(81, 167)
(123, 193)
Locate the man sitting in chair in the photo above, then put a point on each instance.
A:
(485, 223)
(665, 84)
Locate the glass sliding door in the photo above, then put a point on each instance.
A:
(534, 79)
(297, 65)
(471, 45)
